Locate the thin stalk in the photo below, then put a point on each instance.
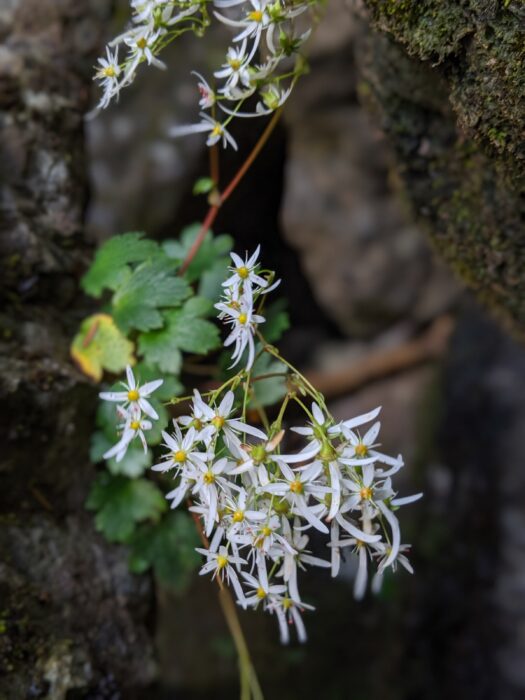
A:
(221, 198)
(250, 687)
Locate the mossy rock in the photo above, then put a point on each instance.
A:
(447, 78)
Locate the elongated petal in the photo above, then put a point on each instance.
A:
(356, 532)
(396, 536)
(248, 429)
(362, 575)
(406, 500)
(148, 409)
(114, 395)
(364, 418)
(130, 377)
(150, 387)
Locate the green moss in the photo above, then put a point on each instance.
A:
(457, 128)
(430, 29)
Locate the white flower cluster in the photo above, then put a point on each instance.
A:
(134, 409)
(258, 503)
(263, 62)
(241, 290)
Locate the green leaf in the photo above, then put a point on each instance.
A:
(99, 444)
(152, 285)
(121, 503)
(203, 185)
(109, 268)
(100, 345)
(192, 334)
(160, 348)
(206, 257)
(169, 547)
(210, 282)
(183, 330)
(198, 306)
(277, 321)
(134, 463)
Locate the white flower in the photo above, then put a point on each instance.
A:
(142, 45)
(244, 272)
(297, 487)
(216, 130)
(244, 323)
(108, 74)
(133, 426)
(235, 68)
(218, 420)
(208, 481)
(135, 396)
(181, 453)
(208, 98)
(288, 614)
(361, 448)
(255, 20)
(221, 564)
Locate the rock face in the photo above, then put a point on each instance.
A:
(447, 80)
(72, 618)
(368, 263)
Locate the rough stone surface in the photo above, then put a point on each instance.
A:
(447, 80)
(368, 263)
(72, 618)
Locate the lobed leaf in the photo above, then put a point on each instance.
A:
(110, 268)
(121, 503)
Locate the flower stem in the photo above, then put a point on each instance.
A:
(222, 197)
(250, 688)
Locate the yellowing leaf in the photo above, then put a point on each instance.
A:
(100, 345)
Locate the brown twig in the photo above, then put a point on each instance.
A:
(384, 363)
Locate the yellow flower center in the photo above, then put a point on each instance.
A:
(133, 395)
(296, 486)
(238, 516)
(217, 130)
(109, 72)
(255, 16)
(287, 603)
(242, 319)
(222, 561)
(366, 493)
(361, 450)
(234, 63)
(266, 531)
(179, 456)
(218, 422)
(261, 593)
(209, 478)
(243, 272)
(135, 424)
(142, 43)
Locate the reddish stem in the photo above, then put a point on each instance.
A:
(221, 198)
